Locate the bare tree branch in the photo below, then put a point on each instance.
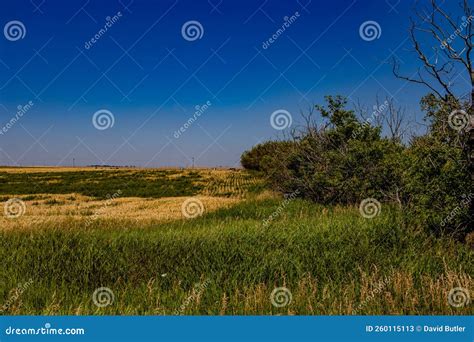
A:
(437, 75)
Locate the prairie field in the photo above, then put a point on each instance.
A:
(85, 241)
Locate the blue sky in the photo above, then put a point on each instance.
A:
(150, 78)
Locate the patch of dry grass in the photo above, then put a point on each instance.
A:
(36, 169)
(57, 209)
(221, 189)
(229, 183)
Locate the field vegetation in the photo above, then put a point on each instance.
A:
(154, 260)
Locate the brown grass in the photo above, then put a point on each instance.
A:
(55, 209)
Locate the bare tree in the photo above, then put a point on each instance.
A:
(440, 65)
(388, 114)
(395, 118)
(366, 114)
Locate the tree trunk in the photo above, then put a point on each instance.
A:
(470, 158)
(470, 151)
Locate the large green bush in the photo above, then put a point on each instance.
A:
(346, 160)
(261, 156)
(437, 185)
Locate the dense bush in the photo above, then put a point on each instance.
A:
(260, 156)
(436, 178)
(343, 162)
(436, 185)
(346, 160)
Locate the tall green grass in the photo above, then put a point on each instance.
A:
(329, 260)
(103, 183)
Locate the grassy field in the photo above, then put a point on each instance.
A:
(149, 183)
(78, 249)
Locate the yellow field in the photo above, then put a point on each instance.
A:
(51, 210)
(220, 189)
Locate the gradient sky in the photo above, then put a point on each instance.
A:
(150, 78)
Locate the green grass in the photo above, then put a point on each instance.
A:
(327, 261)
(103, 183)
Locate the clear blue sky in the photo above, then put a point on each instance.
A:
(150, 78)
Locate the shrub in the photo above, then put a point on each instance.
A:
(346, 160)
(437, 186)
(343, 162)
(261, 156)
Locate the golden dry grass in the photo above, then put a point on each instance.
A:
(220, 188)
(35, 169)
(228, 183)
(372, 294)
(55, 209)
(396, 296)
(30, 169)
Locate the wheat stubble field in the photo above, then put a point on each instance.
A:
(80, 241)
